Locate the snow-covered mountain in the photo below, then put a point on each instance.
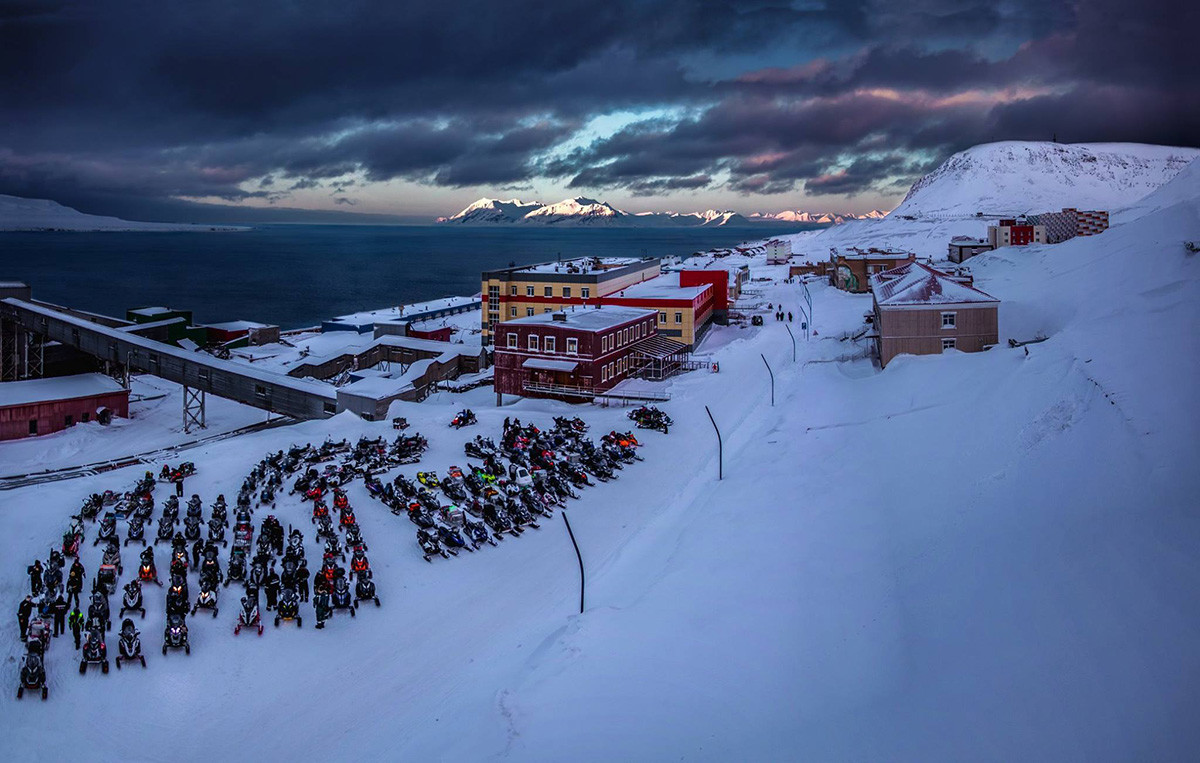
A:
(823, 218)
(20, 214)
(492, 211)
(1015, 177)
(583, 211)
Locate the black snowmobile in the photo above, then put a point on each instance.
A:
(129, 646)
(131, 601)
(191, 528)
(98, 610)
(95, 651)
(107, 530)
(136, 531)
(248, 616)
(341, 597)
(175, 635)
(207, 599)
(428, 541)
(288, 608)
(477, 531)
(451, 539)
(164, 532)
(33, 674)
(365, 590)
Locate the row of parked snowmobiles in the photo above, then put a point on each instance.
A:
(649, 417)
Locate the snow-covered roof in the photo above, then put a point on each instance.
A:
(664, 287)
(238, 325)
(545, 364)
(402, 312)
(151, 310)
(873, 254)
(915, 283)
(581, 265)
(56, 388)
(587, 319)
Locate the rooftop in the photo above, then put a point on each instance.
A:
(403, 312)
(237, 325)
(915, 283)
(576, 266)
(56, 388)
(854, 253)
(586, 319)
(665, 286)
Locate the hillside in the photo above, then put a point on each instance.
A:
(19, 214)
(1017, 177)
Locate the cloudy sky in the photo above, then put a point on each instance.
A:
(158, 109)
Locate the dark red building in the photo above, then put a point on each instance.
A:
(570, 353)
(41, 406)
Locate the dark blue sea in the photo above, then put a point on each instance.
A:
(297, 275)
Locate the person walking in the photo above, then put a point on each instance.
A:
(35, 577)
(24, 610)
(789, 316)
(59, 607)
(76, 621)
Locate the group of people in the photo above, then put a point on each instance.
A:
(781, 314)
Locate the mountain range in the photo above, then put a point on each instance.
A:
(584, 211)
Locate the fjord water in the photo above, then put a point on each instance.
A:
(296, 275)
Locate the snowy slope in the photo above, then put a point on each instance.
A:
(579, 210)
(18, 214)
(492, 211)
(987, 556)
(1016, 177)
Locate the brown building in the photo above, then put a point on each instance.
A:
(42, 406)
(572, 353)
(852, 271)
(922, 311)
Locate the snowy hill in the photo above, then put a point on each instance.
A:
(824, 218)
(578, 210)
(20, 214)
(1027, 177)
(492, 211)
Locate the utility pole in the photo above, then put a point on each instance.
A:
(720, 446)
(793, 336)
(578, 556)
(772, 373)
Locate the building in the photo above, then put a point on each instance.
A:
(851, 271)
(573, 353)
(1090, 223)
(1016, 232)
(241, 333)
(519, 292)
(922, 311)
(1071, 222)
(963, 248)
(779, 251)
(685, 302)
(395, 320)
(41, 406)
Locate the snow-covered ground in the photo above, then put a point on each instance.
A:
(19, 214)
(966, 556)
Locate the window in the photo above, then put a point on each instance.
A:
(528, 311)
(85, 417)
(260, 390)
(679, 317)
(513, 290)
(550, 342)
(512, 339)
(33, 426)
(603, 373)
(625, 333)
(533, 341)
(662, 317)
(603, 344)
(329, 408)
(948, 320)
(545, 309)
(69, 420)
(548, 291)
(512, 312)
(75, 341)
(528, 291)
(572, 345)
(585, 291)
(566, 291)
(947, 344)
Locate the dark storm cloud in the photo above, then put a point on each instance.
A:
(107, 102)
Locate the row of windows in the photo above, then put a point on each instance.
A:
(548, 291)
(547, 344)
(614, 369)
(662, 317)
(623, 337)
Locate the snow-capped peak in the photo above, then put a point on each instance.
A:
(492, 211)
(579, 208)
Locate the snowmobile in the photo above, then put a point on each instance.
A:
(273, 532)
(454, 486)
(129, 647)
(177, 597)
(106, 579)
(451, 539)
(465, 418)
(295, 544)
(206, 600)
(144, 510)
(136, 531)
(37, 635)
(248, 615)
(364, 590)
(165, 531)
(649, 417)
(519, 475)
(480, 447)
(195, 508)
(288, 608)
(405, 486)
(219, 511)
(107, 531)
(175, 635)
(428, 541)
(112, 556)
(70, 543)
(340, 500)
(95, 651)
(91, 506)
(33, 674)
(498, 519)
(319, 510)
(216, 532)
(131, 601)
(429, 479)
(191, 528)
(477, 531)
(170, 512)
(347, 519)
(359, 564)
(521, 516)
(420, 516)
(373, 485)
(147, 572)
(267, 498)
(400, 423)
(354, 537)
(574, 425)
(340, 597)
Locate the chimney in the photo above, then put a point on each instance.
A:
(560, 316)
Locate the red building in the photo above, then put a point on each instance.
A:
(571, 353)
(41, 406)
(429, 330)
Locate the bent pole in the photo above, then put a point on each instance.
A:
(772, 373)
(577, 556)
(720, 447)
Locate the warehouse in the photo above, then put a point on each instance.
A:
(41, 406)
